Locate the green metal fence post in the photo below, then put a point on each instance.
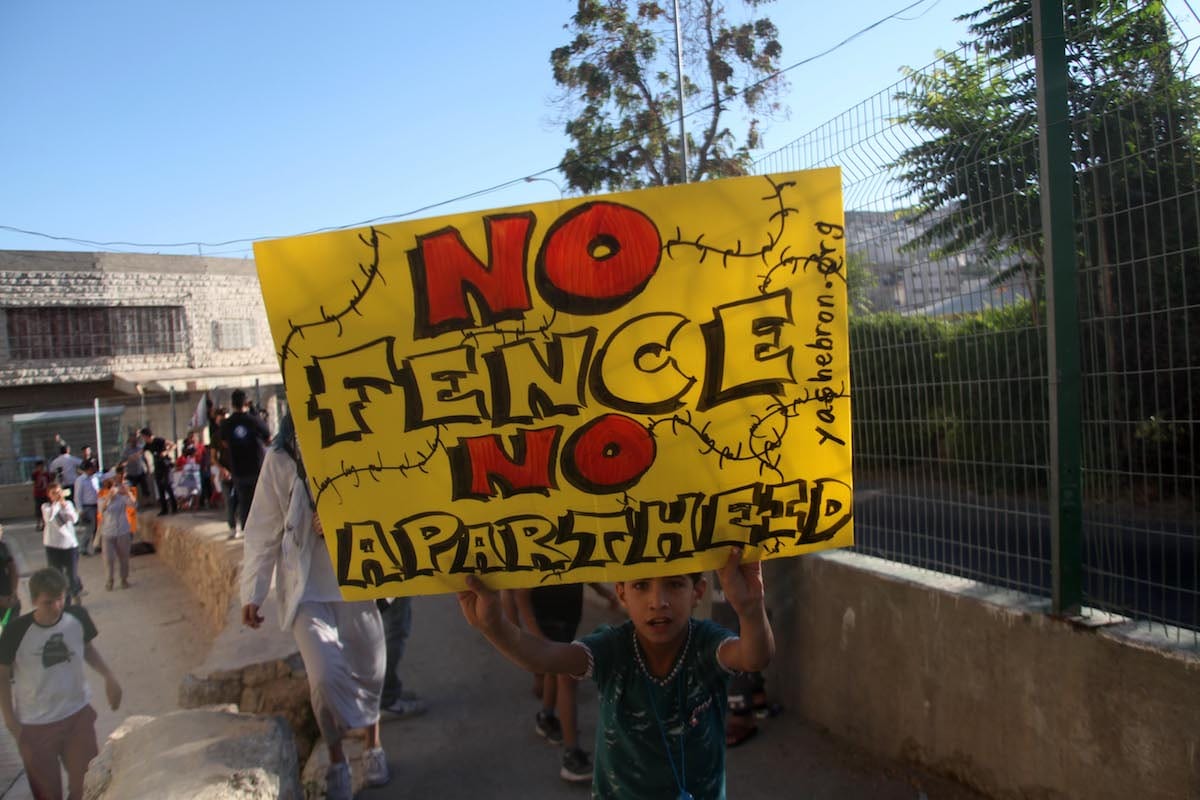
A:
(1062, 307)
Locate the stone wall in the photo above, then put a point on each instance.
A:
(16, 501)
(277, 687)
(259, 671)
(205, 560)
(208, 290)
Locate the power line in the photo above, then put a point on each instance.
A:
(479, 192)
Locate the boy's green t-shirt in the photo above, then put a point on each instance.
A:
(631, 757)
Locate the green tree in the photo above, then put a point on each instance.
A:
(1135, 118)
(620, 96)
(975, 174)
(860, 281)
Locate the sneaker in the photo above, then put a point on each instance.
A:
(233, 534)
(375, 767)
(108, 586)
(124, 584)
(407, 705)
(338, 785)
(548, 727)
(576, 766)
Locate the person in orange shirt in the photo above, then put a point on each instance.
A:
(115, 503)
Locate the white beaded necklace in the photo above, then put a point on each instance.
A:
(637, 651)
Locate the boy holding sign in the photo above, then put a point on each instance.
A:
(662, 677)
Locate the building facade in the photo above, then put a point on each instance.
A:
(94, 346)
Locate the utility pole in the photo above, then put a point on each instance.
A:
(683, 148)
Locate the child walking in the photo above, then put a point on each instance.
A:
(553, 613)
(662, 677)
(42, 655)
(60, 539)
(117, 536)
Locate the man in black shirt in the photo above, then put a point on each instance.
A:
(162, 453)
(245, 436)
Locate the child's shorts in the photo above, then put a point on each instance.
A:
(558, 610)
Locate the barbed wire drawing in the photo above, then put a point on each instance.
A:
(419, 463)
(371, 272)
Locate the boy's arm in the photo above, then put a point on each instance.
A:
(6, 704)
(112, 689)
(742, 583)
(481, 606)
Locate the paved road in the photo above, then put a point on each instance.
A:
(477, 741)
(1135, 563)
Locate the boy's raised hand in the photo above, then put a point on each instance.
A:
(480, 605)
(742, 583)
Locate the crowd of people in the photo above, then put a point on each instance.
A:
(675, 691)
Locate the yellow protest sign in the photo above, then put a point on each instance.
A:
(584, 390)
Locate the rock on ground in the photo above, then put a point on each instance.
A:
(206, 754)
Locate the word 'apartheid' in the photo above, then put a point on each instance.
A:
(438, 543)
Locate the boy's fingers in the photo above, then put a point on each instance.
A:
(735, 557)
(479, 587)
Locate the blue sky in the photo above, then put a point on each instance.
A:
(182, 121)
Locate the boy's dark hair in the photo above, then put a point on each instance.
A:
(237, 399)
(47, 580)
(63, 449)
(695, 576)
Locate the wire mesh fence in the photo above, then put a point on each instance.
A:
(951, 384)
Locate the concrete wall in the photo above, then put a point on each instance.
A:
(982, 685)
(16, 501)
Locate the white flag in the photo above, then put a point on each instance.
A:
(200, 415)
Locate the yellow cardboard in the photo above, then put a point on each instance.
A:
(592, 389)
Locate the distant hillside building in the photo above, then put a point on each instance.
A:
(144, 337)
(914, 281)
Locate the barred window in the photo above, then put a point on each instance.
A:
(94, 331)
(233, 334)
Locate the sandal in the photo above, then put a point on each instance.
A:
(739, 735)
(763, 709)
